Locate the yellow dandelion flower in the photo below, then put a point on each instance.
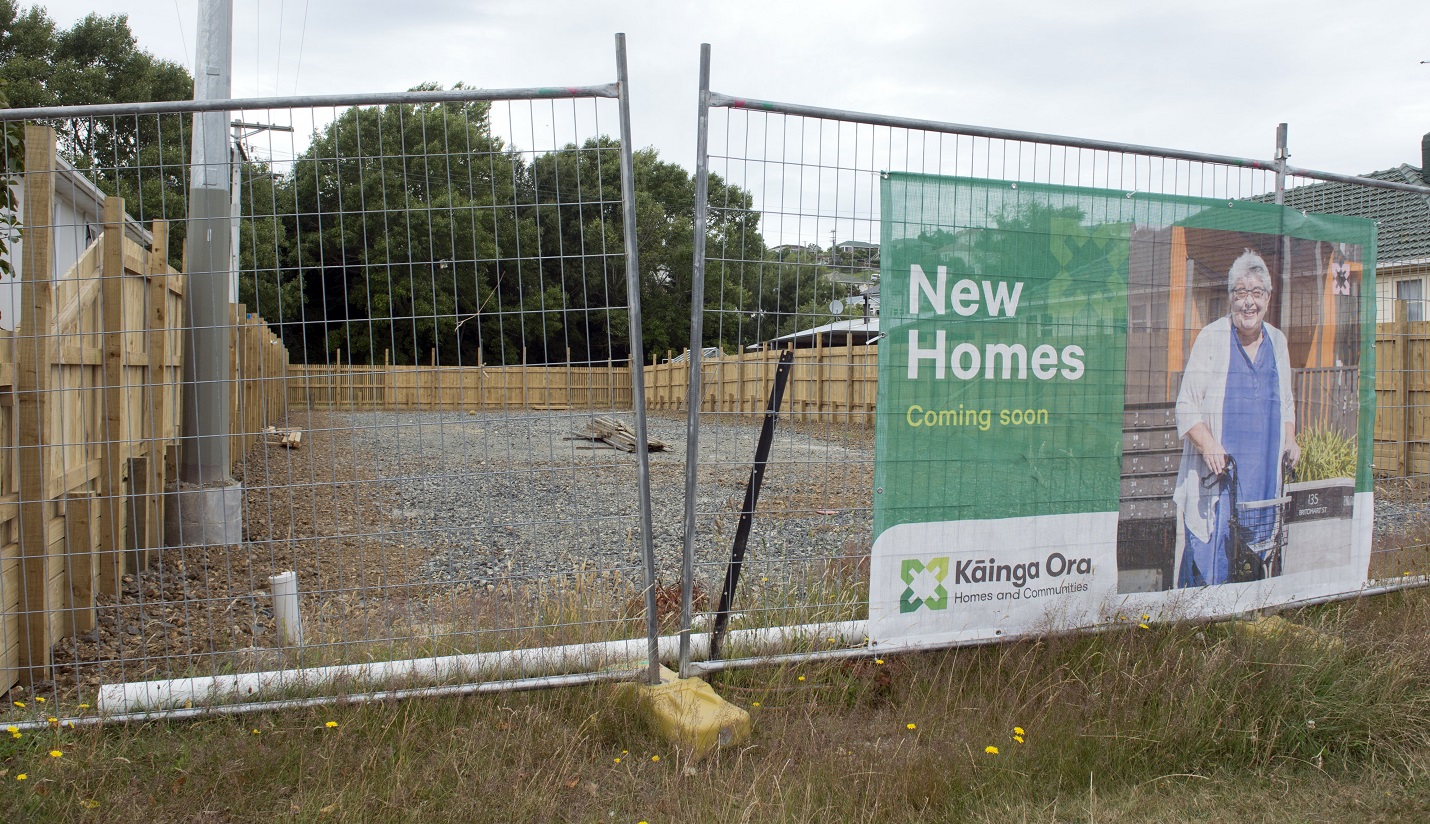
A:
(84, 706)
(331, 724)
(256, 732)
(655, 758)
(618, 760)
(1143, 626)
(991, 750)
(39, 699)
(12, 729)
(833, 641)
(21, 777)
(625, 752)
(879, 661)
(20, 704)
(756, 704)
(17, 736)
(911, 726)
(69, 724)
(801, 678)
(1018, 738)
(55, 753)
(90, 804)
(1018, 731)
(52, 720)
(1146, 617)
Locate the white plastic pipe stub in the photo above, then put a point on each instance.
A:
(286, 617)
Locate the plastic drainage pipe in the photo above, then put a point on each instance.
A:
(286, 617)
(160, 695)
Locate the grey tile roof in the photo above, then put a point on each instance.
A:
(1402, 218)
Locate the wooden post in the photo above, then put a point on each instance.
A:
(848, 378)
(525, 396)
(156, 382)
(35, 352)
(1403, 411)
(79, 562)
(235, 392)
(739, 383)
(113, 509)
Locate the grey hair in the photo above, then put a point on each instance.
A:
(1249, 265)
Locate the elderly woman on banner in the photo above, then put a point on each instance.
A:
(1235, 401)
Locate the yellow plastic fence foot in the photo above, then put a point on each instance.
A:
(688, 713)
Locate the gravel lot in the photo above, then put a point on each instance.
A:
(494, 495)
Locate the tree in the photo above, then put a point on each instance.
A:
(12, 146)
(96, 61)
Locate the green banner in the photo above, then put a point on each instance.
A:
(1001, 371)
(1095, 403)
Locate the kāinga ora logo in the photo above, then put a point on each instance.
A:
(923, 584)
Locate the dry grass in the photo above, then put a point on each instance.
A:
(1171, 724)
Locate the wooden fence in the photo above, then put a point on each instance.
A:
(89, 419)
(825, 382)
(840, 383)
(1402, 396)
(546, 386)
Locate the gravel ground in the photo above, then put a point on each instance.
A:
(499, 495)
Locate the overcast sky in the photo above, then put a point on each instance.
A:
(1209, 75)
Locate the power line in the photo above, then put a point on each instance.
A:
(183, 38)
(302, 38)
(278, 61)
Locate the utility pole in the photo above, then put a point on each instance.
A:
(207, 506)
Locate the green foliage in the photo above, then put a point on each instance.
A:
(1325, 454)
(95, 61)
(13, 150)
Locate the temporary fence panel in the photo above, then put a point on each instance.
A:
(817, 216)
(433, 416)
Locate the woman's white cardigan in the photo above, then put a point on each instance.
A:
(1200, 401)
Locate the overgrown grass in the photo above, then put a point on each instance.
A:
(1183, 723)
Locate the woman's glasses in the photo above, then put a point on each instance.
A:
(1243, 294)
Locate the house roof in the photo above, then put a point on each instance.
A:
(1402, 218)
(862, 330)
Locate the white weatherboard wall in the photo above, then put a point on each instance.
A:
(77, 219)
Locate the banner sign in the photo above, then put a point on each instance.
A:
(1096, 404)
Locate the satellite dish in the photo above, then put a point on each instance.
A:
(836, 307)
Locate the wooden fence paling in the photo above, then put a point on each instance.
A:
(1403, 414)
(34, 354)
(113, 512)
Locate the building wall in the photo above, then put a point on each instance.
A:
(1403, 282)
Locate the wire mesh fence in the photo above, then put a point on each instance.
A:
(452, 477)
(804, 274)
(431, 402)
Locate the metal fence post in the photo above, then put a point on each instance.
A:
(697, 318)
(1280, 198)
(637, 359)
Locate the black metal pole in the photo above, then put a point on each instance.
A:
(752, 497)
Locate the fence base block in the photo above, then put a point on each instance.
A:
(688, 713)
(203, 516)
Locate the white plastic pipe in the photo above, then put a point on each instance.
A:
(510, 664)
(286, 617)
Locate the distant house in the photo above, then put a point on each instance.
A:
(1402, 268)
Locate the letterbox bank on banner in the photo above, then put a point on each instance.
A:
(1099, 404)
